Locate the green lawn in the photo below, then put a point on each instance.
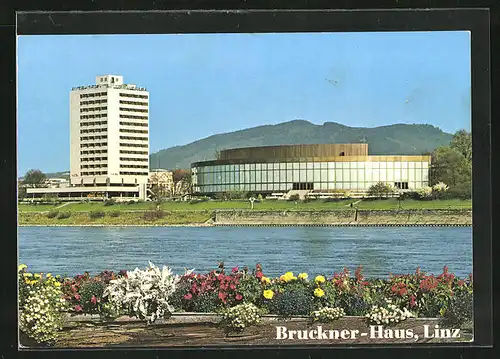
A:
(265, 205)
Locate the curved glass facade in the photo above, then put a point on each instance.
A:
(405, 172)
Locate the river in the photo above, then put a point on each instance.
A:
(315, 250)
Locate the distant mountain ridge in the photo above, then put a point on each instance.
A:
(398, 139)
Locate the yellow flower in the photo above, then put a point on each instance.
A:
(318, 292)
(268, 294)
(37, 275)
(28, 274)
(287, 277)
(21, 267)
(319, 279)
(57, 284)
(49, 275)
(303, 276)
(265, 280)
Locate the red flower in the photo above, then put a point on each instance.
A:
(412, 301)
(78, 308)
(402, 291)
(234, 270)
(239, 297)
(461, 282)
(77, 297)
(222, 296)
(259, 274)
(188, 296)
(232, 287)
(93, 300)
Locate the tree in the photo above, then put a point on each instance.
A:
(380, 189)
(462, 142)
(449, 166)
(181, 175)
(34, 178)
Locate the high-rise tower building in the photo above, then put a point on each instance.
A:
(109, 134)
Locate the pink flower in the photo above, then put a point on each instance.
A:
(93, 300)
(78, 308)
(259, 274)
(234, 270)
(77, 297)
(239, 297)
(188, 296)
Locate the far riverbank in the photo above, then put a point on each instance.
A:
(235, 217)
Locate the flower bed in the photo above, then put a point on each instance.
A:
(241, 298)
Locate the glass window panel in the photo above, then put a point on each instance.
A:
(425, 165)
(361, 165)
(283, 186)
(345, 165)
(302, 165)
(368, 174)
(252, 176)
(282, 175)
(321, 185)
(276, 174)
(417, 164)
(247, 166)
(411, 174)
(276, 186)
(390, 164)
(397, 164)
(330, 185)
(425, 176)
(324, 164)
(309, 165)
(404, 164)
(345, 175)
(411, 185)
(252, 166)
(361, 175)
(246, 176)
(252, 187)
(331, 165)
(310, 175)
(383, 175)
(418, 175)
(397, 176)
(264, 176)
(383, 165)
(236, 177)
(411, 165)
(404, 174)
(270, 177)
(258, 166)
(375, 165)
(390, 176)
(376, 176)
(295, 177)
(295, 165)
(302, 176)
(317, 176)
(353, 173)
(353, 164)
(317, 165)
(338, 176)
(258, 176)
(324, 175)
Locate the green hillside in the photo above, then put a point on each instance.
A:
(399, 139)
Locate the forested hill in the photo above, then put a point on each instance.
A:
(399, 139)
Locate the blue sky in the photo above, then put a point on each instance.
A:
(207, 84)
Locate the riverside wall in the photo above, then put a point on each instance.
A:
(350, 217)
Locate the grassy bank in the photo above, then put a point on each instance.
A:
(386, 204)
(115, 218)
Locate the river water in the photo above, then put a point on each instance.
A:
(315, 250)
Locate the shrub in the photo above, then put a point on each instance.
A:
(64, 215)
(250, 288)
(52, 214)
(380, 190)
(424, 192)
(144, 294)
(296, 301)
(115, 214)
(240, 316)
(90, 295)
(294, 197)
(41, 306)
(96, 214)
(460, 309)
(109, 202)
(207, 302)
(154, 214)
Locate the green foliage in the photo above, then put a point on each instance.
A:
(293, 301)
(460, 309)
(397, 139)
(154, 214)
(207, 302)
(63, 215)
(462, 142)
(115, 214)
(91, 293)
(250, 288)
(109, 202)
(96, 214)
(52, 214)
(294, 197)
(34, 178)
(380, 190)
